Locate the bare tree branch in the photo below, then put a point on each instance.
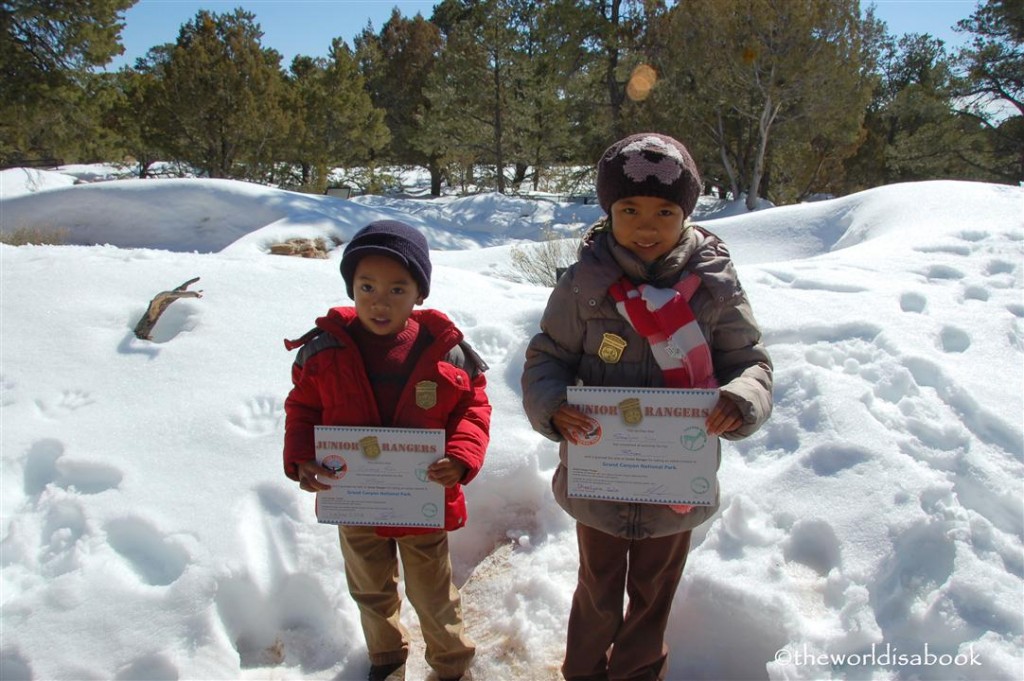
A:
(144, 329)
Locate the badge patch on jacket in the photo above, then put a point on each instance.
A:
(426, 394)
(611, 348)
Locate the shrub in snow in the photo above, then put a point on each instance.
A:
(540, 263)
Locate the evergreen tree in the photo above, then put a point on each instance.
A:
(994, 80)
(396, 65)
(540, 108)
(334, 122)
(775, 89)
(357, 132)
(470, 88)
(606, 42)
(48, 97)
(220, 97)
(499, 94)
(306, 106)
(134, 114)
(913, 131)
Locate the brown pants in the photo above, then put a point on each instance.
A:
(602, 644)
(371, 567)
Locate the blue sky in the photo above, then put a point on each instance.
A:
(307, 26)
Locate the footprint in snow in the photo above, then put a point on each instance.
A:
(813, 543)
(13, 666)
(973, 236)
(976, 293)
(952, 339)
(292, 623)
(921, 560)
(913, 302)
(47, 464)
(492, 343)
(67, 403)
(259, 416)
(828, 460)
(153, 667)
(1000, 267)
(464, 320)
(952, 249)
(156, 559)
(41, 465)
(943, 272)
(988, 426)
(64, 526)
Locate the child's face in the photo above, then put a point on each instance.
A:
(385, 293)
(647, 226)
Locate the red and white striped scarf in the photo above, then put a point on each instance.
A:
(665, 319)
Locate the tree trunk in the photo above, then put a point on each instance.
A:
(520, 175)
(144, 168)
(435, 177)
(764, 125)
(730, 169)
(616, 93)
(499, 154)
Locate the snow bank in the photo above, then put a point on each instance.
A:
(148, 531)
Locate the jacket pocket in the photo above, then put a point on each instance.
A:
(434, 398)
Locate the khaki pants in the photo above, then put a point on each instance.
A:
(371, 567)
(601, 643)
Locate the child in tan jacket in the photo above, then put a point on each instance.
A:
(648, 184)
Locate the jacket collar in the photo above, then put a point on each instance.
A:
(437, 324)
(698, 251)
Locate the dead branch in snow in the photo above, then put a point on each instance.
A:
(144, 329)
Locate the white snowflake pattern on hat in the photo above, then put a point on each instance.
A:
(638, 167)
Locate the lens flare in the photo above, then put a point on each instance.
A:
(641, 82)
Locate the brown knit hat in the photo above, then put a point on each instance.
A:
(648, 164)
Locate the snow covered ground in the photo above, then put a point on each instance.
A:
(873, 529)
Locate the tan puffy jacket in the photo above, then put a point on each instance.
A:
(565, 353)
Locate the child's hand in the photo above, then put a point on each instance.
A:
(447, 471)
(724, 418)
(572, 424)
(308, 470)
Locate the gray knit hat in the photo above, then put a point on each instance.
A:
(648, 164)
(394, 239)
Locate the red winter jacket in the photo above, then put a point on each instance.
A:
(330, 387)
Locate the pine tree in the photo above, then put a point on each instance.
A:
(134, 114)
(220, 97)
(47, 94)
(499, 95)
(913, 131)
(774, 89)
(396, 65)
(307, 109)
(334, 123)
(994, 80)
(470, 88)
(605, 40)
(356, 131)
(544, 59)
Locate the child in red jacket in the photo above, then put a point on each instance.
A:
(362, 366)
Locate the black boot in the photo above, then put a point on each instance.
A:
(387, 672)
